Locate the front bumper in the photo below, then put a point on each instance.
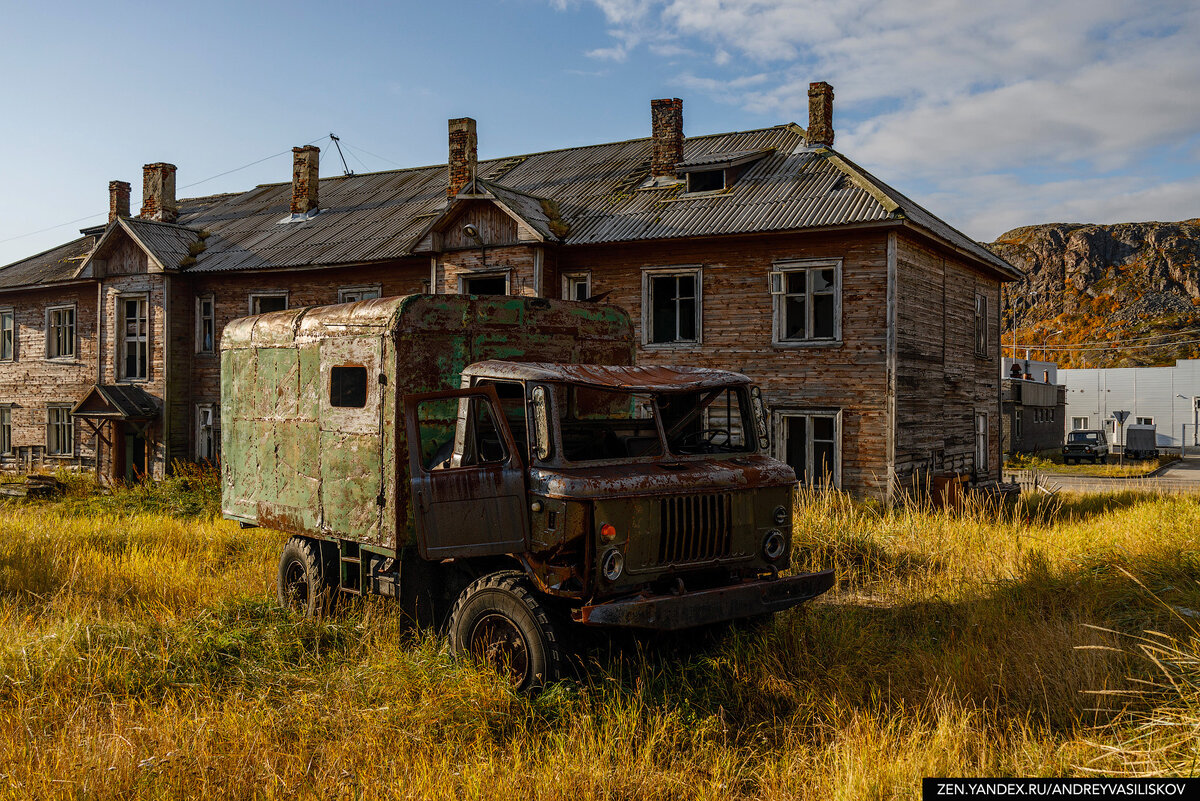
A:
(683, 611)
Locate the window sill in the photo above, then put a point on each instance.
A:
(688, 345)
(59, 456)
(808, 343)
(133, 380)
(62, 360)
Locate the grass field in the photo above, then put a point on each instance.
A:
(1113, 468)
(143, 657)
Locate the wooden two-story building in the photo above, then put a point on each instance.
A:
(871, 325)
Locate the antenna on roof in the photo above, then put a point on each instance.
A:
(338, 142)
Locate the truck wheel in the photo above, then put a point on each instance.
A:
(302, 586)
(498, 620)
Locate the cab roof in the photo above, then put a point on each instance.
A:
(603, 376)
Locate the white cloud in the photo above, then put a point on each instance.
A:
(945, 91)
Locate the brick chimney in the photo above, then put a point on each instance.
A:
(820, 114)
(306, 162)
(464, 154)
(158, 192)
(118, 199)
(666, 125)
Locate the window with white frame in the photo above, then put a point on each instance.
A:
(811, 443)
(577, 286)
(981, 325)
(1145, 421)
(981, 443)
(806, 296)
(60, 332)
(208, 431)
(1079, 423)
(8, 335)
(6, 429)
(206, 324)
(60, 432)
(263, 302)
(133, 335)
(671, 306)
(353, 294)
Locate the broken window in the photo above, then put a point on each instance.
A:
(671, 301)
(208, 432)
(807, 301)
(353, 294)
(459, 432)
(598, 424)
(133, 333)
(809, 442)
(60, 434)
(708, 421)
(706, 181)
(60, 332)
(512, 405)
(263, 302)
(486, 284)
(348, 386)
(577, 286)
(206, 324)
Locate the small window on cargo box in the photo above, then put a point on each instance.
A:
(348, 386)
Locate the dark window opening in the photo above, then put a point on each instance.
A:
(270, 303)
(673, 308)
(707, 181)
(453, 436)
(512, 405)
(348, 387)
(486, 285)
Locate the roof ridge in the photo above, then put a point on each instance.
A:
(791, 126)
(143, 220)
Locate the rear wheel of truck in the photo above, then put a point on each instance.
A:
(499, 621)
(302, 584)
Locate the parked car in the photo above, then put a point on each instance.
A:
(1141, 442)
(1089, 444)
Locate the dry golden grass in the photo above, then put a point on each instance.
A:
(143, 657)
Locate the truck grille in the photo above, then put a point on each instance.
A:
(695, 527)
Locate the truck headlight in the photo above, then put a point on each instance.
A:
(773, 545)
(612, 565)
(781, 515)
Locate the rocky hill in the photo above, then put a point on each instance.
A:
(1124, 295)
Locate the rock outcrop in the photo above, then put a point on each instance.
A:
(1116, 284)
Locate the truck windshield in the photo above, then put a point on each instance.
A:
(606, 424)
(1083, 437)
(708, 421)
(602, 424)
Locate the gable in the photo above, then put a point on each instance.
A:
(495, 226)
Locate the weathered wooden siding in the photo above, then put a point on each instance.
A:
(30, 381)
(940, 381)
(849, 376)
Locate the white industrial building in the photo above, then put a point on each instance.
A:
(1165, 397)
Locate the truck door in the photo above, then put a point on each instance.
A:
(468, 480)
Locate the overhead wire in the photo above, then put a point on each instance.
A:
(185, 186)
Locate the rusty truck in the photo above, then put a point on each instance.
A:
(501, 467)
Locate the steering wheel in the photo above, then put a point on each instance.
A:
(706, 437)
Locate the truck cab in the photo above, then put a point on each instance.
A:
(504, 500)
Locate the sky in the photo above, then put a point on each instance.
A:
(992, 115)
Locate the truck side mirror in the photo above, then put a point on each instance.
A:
(760, 417)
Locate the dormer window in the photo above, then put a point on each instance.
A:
(706, 181)
(716, 172)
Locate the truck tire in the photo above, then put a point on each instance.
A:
(303, 584)
(498, 620)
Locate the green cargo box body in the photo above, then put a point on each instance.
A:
(292, 461)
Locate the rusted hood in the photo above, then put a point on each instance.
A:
(655, 478)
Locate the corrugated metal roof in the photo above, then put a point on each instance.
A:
(167, 243)
(721, 159)
(56, 264)
(381, 216)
